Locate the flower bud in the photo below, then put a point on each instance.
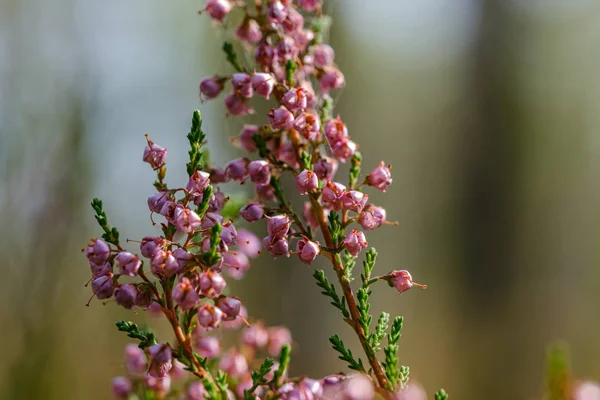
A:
(237, 170)
(209, 220)
(185, 295)
(98, 251)
(277, 246)
(248, 243)
(335, 131)
(586, 390)
(343, 150)
(211, 87)
(234, 363)
(260, 172)
(414, 391)
(310, 216)
(307, 250)
(128, 263)
(264, 56)
(197, 183)
(218, 175)
(293, 22)
(228, 234)
(184, 258)
(287, 154)
(309, 125)
(332, 194)
(135, 359)
(307, 181)
(244, 141)
(155, 155)
(238, 264)
(151, 245)
(331, 79)
(252, 212)
(196, 391)
(144, 296)
(295, 99)
(281, 118)
(157, 201)
(278, 225)
(371, 217)
(354, 242)
(276, 12)
(263, 84)
(287, 48)
(358, 387)
(164, 265)
(309, 5)
(325, 168)
(401, 280)
(208, 346)
(211, 284)
(178, 371)
(241, 83)
(160, 360)
(237, 105)
(161, 386)
(103, 286)
(218, 9)
(353, 200)
(209, 317)
(217, 201)
(121, 387)
(256, 336)
(380, 177)
(249, 31)
(125, 296)
(186, 220)
(230, 306)
(323, 55)
(278, 336)
(100, 270)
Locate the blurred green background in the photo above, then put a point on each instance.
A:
(488, 111)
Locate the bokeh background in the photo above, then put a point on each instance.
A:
(488, 110)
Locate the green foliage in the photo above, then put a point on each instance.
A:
(212, 256)
(204, 204)
(231, 56)
(290, 68)
(258, 377)
(278, 191)
(558, 373)
(346, 354)
(232, 207)
(211, 390)
(110, 235)
(222, 383)
(349, 263)
(368, 266)
(306, 161)
(382, 325)
(284, 361)
(335, 228)
(355, 169)
(326, 108)
(392, 372)
(441, 395)
(329, 290)
(196, 138)
(261, 145)
(145, 337)
(365, 319)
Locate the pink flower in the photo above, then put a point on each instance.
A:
(401, 280)
(295, 99)
(185, 295)
(309, 5)
(307, 250)
(151, 245)
(184, 258)
(230, 306)
(245, 141)
(197, 183)
(281, 118)
(121, 387)
(332, 194)
(278, 336)
(331, 79)
(252, 212)
(164, 265)
(211, 284)
(97, 251)
(358, 387)
(278, 225)
(237, 170)
(309, 125)
(157, 201)
(218, 9)
(325, 168)
(160, 360)
(211, 87)
(237, 105)
(234, 363)
(209, 317)
(241, 83)
(228, 234)
(256, 336)
(343, 150)
(135, 359)
(380, 177)
(128, 263)
(248, 243)
(263, 84)
(353, 200)
(260, 172)
(249, 31)
(100, 270)
(335, 131)
(237, 263)
(186, 220)
(276, 12)
(371, 217)
(208, 347)
(276, 246)
(103, 286)
(155, 155)
(354, 242)
(323, 55)
(307, 181)
(125, 296)
(265, 192)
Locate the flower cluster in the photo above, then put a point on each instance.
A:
(202, 242)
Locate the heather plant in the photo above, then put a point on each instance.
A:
(181, 271)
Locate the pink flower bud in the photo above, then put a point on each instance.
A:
(380, 177)
(309, 125)
(197, 183)
(264, 56)
(155, 155)
(121, 387)
(157, 201)
(414, 391)
(234, 363)
(325, 168)
(278, 336)
(276, 12)
(245, 141)
(186, 220)
(335, 131)
(230, 306)
(237, 170)
(164, 264)
(310, 216)
(307, 250)
(343, 150)
(100, 270)
(241, 83)
(238, 322)
(323, 55)
(125, 296)
(309, 5)
(144, 298)
(237, 264)
(354, 242)
(135, 359)
(196, 391)
(218, 9)
(276, 246)
(209, 221)
(371, 217)
(278, 225)
(184, 258)
(256, 336)
(209, 317)
(208, 346)
(161, 386)
(287, 154)
(353, 200)
(311, 96)
(265, 192)
(331, 195)
(218, 175)
(98, 251)
(185, 295)
(228, 234)
(248, 243)
(161, 360)
(287, 49)
(211, 284)
(103, 286)
(260, 172)
(293, 22)
(586, 390)
(401, 280)
(249, 31)
(128, 263)
(252, 212)
(237, 105)
(151, 245)
(295, 99)
(178, 371)
(211, 87)
(358, 387)
(331, 79)
(281, 118)
(217, 201)
(307, 181)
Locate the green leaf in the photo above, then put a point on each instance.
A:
(258, 377)
(111, 235)
(368, 265)
(284, 361)
(290, 69)
(232, 207)
(231, 56)
(354, 169)
(346, 354)
(335, 228)
(380, 329)
(392, 372)
(196, 138)
(558, 372)
(365, 319)
(329, 290)
(205, 203)
(441, 395)
(145, 337)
